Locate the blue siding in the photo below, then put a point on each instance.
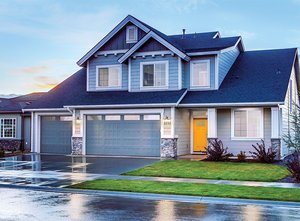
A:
(173, 70)
(226, 60)
(186, 69)
(108, 60)
(118, 41)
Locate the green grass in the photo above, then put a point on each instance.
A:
(213, 170)
(193, 189)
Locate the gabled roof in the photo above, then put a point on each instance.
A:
(72, 92)
(255, 77)
(16, 104)
(128, 18)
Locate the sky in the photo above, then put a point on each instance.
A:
(41, 40)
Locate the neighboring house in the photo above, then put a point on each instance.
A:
(14, 124)
(143, 93)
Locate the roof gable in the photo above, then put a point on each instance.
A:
(158, 38)
(124, 22)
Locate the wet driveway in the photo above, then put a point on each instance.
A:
(60, 171)
(20, 204)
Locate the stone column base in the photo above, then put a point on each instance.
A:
(276, 143)
(168, 148)
(77, 145)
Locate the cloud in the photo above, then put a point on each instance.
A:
(31, 70)
(44, 83)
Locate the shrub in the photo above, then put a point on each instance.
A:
(2, 152)
(293, 165)
(241, 157)
(216, 151)
(263, 155)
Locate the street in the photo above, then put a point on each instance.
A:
(22, 204)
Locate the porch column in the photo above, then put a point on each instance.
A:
(77, 139)
(275, 129)
(212, 123)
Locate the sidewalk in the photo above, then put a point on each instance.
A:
(203, 181)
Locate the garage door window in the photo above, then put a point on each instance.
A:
(132, 117)
(94, 117)
(151, 117)
(112, 117)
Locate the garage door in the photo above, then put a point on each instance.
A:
(123, 135)
(56, 132)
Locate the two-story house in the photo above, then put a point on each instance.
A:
(143, 93)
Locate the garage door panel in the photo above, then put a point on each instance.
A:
(123, 137)
(55, 135)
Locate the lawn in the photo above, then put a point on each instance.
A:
(193, 189)
(213, 170)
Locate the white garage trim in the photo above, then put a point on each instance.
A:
(37, 127)
(84, 113)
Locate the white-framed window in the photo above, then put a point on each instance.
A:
(108, 76)
(8, 127)
(154, 74)
(200, 73)
(247, 123)
(131, 34)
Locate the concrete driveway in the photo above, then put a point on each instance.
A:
(60, 171)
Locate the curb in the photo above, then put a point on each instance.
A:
(153, 196)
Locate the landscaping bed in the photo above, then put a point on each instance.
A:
(193, 189)
(214, 170)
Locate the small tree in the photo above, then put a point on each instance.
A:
(292, 138)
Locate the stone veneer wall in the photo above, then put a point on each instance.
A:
(77, 143)
(10, 144)
(168, 148)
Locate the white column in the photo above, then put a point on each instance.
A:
(275, 134)
(212, 122)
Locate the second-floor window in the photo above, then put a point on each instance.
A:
(200, 73)
(109, 76)
(131, 34)
(154, 74)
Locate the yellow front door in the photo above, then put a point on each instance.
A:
(200, 134)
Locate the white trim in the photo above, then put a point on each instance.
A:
(135, 29)
(44, 109)
(180, 99)
(232, 104)
(203, 53)
(88, 76)
(32, 132)
(217, 35)
(119, 66)
(152, 53)
(212, 122)
(122, 106)
(142, 87)
(179, 73)
(217, 71)
(207, 61)
(129, 18)
(232, 47)
(114, 52)
(151, 34)
(261, 132)
(275, 127)
(37, 126)
(129, 74)
(172, 122)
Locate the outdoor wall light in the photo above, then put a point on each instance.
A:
(78, 121)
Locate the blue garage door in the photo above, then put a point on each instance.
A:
(56, 132)
(123, 135)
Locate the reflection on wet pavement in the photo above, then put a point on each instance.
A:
(60, 171)
(17, 204)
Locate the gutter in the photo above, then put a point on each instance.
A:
(251, 104)
(120, 106)
(44, 109)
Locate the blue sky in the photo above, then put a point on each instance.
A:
(40, 40)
